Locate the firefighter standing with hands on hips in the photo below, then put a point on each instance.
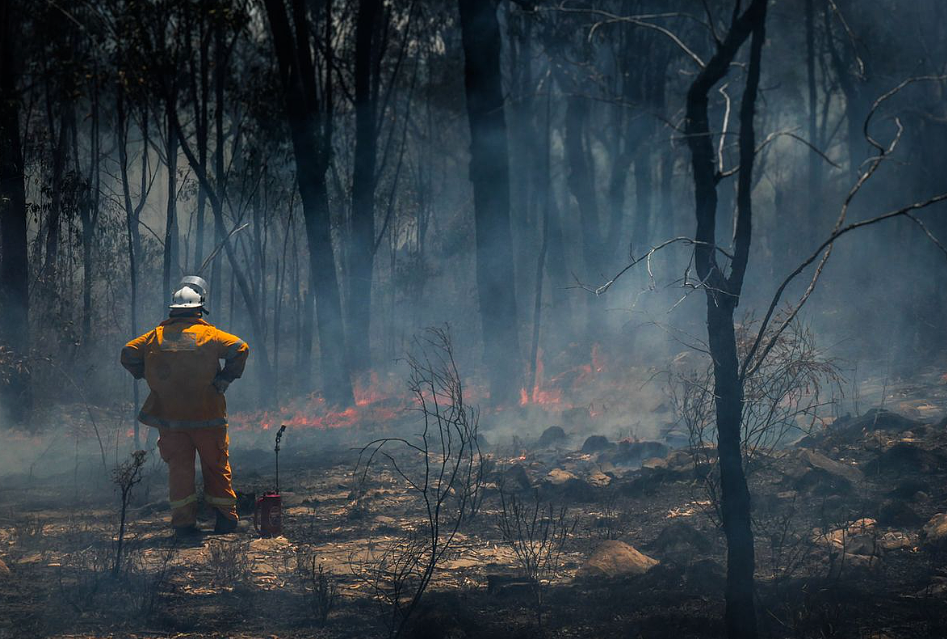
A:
(180, 360)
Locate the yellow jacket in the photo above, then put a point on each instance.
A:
(180, 360)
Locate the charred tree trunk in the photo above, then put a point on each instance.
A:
(581, 182)
(14, 266)
(55, 206)
(131, 217)
(200, 85)
(220, 67)
(723, 294)
(362, 249)
(489, 174)
(89, 213)
(641, 231)
(814, 170)
(311, 129)
(851, 76)
(525, 154)
(171, 222)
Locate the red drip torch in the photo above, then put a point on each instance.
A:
(268, 516)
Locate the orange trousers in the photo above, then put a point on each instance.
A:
(177, 448)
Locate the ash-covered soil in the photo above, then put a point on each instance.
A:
(851, 541)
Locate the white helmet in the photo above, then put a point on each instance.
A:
(191, 293)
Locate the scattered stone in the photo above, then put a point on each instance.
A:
(614, 559)
(514, 479)
(509, 586)
(599, 479)
(819, 461)
(858, 538)
(895, 540)
(680, 461)
(654, 462)
(561, 483)
(558, 477)
(934, 532)
(812, 471)
(596, 444)
(551, 436)
(906, 457)
(875, 419)
(634, 452)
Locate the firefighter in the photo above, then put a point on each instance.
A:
(180, 360)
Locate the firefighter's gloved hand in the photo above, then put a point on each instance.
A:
(221, 385)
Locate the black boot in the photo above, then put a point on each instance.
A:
(225, 525)
(187, 534)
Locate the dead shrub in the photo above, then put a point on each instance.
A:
(146, 579)
(442, 470)
(318, 586)
(786, 395)
(83, 574)
(126, 476)
(537, 535)
(230, 561)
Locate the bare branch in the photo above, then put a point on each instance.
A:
(902, 212)
(600, 290)
(611, 18)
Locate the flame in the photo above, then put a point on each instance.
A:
(540, 394)
(379, 400)
(598, 364)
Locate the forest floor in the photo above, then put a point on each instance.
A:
(847, 543)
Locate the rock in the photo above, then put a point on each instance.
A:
(4, 571)
(634, 452)
(875, 419)
(896, 540)
(596, 444)
(680, 461)
(934, 533)
(854, 562)
(832, 467)
(551, 436)
(654, 462)
(906, 458)
(909, 489)
(561, 483)
(615, 559)
(514, 479)
(812, 471)
(679, 538)
(858, 538)
(506, 586)
(599, 479)
(896, 513)
(558, 477)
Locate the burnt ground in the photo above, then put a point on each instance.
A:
(844, 543)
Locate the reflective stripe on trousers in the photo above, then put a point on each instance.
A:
(177, 448)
